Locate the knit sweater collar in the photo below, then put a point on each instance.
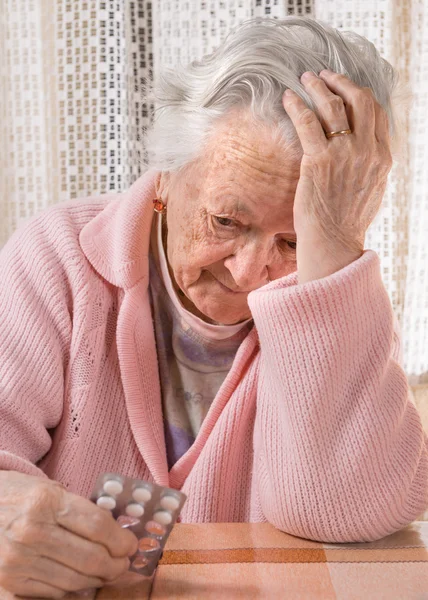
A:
(116, 241)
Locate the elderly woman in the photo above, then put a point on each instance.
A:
(219, 327)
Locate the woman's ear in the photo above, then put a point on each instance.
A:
(162, 185)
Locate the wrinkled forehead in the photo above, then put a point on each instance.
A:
(248, 163)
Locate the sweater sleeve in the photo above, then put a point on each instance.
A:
(341, 455)
(35, 327)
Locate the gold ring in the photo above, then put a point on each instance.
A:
(336, 133)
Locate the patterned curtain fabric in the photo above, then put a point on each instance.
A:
(72, 121)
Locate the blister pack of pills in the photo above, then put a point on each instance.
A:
(148, 510)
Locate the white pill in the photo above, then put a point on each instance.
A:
(134, 510)
(169, 502)
(141, 494)
(113, 487)
(106, 502)
(162, 517)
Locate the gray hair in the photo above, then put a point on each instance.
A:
(251, 69)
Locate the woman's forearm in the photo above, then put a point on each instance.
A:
(340, 450)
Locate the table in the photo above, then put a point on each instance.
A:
(229, 561)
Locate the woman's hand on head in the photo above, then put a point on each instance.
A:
(342, 179)
(53, 542)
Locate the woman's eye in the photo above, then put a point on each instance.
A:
(224, 221)
(288, 244)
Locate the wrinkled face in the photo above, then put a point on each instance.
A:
(230, 220)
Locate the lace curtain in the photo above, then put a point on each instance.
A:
(72, 121)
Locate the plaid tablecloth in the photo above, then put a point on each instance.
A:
(231, 561)
(228, 561)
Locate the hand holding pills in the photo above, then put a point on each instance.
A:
(148, 509)
(52, 541)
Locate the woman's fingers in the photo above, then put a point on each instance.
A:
(90, 559)
(309, 129)
(37, 589)
(85, 519)
(51, 572)
(359, 101)
(341, 105)
(53, 537)
(366, 115)
(330, 106)
(58, 558)
(56, 540)
(382, 126)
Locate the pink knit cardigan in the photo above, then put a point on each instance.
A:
(313, 429)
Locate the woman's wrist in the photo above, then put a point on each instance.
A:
(316, 260)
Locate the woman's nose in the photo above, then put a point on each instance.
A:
(248, 268)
